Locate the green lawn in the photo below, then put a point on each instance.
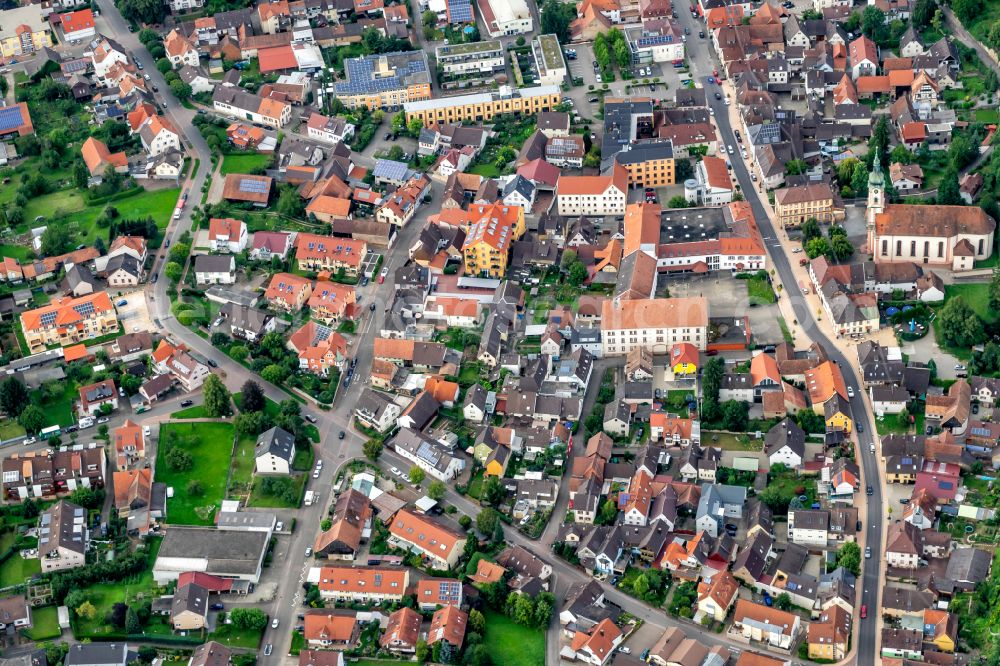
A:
(512, 644)
(730, 442)
(485, 170)
(244, 163)
(106, 595)
(760, 291)
(16, 569)
(44, 624)
(210, 445)
(233, 637)
(242, 466)
(976, 296)
(260, 500)
(987, 116)
(192, 412)
(70, 204)
(890, 424)
(9, 429)
(18, 252)
(58, 410)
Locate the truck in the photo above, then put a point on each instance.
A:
(310, 497)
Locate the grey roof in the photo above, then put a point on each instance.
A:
(245, 520)
(521, 185)
(99, 654)
(422, 409)
(785, 433)
(227, 552)
(189, 73)
(809, 519)
(419, 445)
(191, 597)
(214, 263)
(79, 274)
(753, 556)
(277, 442)
(522, 561)
(64, 525)
(210, 654)
(553, 120)
(245, 318)
(125, 262)
(475, 395)
(968, 565)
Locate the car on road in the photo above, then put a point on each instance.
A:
(103, 419)
(372, 307)
(274, 623)
(868, 552)
(138, 64)
(864, 611)
(316, 473)
(146, 76)
(122, 302)
(730, 150)
(701, 33)
(861, 426)
(155, 278)
(268, 649)
(718, 95)
(626, 650)
(597, 77)
(394, 470)
(309, 552)
(869, 491)
(382, 276)
(29, 440)
(187, 403)
(796, 250)
(710, 79)
(212, 363)
(593, 100)
(850, 391)
(309, 417)
(959, 366)
(341, 435)
(145, 431)
(216, 607)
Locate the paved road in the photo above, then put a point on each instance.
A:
(702, 61)
(966, 38)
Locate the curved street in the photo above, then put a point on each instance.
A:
(290, 564)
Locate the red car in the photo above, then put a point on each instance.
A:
(864, 611)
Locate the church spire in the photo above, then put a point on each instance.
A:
(876, 178)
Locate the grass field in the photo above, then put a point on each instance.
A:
(760, 291)
(242, 466)
(976, 296)
(44, 624)
(58, 410)
(210, 445)
(244, 163)
(18, 252)
(233, 637)
(158, 204)
(511, 644)
(16, 569)
(730, 442)
(9, 429)
(106, 595)
(260, 500)
(192, 412)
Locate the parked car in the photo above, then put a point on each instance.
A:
(217, 607)
(850, 391)
(309, 552)
(394, 470)
(341, 435)
(187, 403)
(279, 526)
(864, 611)
(268, 649)
(309, 417)
(212, 363)
(868, 552)
(869, 491)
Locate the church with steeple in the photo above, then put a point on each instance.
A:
(953, 237)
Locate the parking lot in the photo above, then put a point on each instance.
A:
(133, 312)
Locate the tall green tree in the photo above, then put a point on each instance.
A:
(960, 325)
(555, 19)
(948, 193)
(13, 396)
(878, 144)
(218, 402)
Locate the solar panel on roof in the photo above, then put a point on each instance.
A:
(10, 118)
(459, 11)
(253, 185)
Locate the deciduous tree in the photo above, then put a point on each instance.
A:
(216, 397)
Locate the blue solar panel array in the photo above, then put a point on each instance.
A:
(459, 11)
(361, 73)
(450, 591)
(10, 118)
(390, 170)
(253, 185)
(655, 40)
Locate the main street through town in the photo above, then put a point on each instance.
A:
(290, 564)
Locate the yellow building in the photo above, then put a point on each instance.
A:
(795, 205)
(496, 462)
(484, 106)
(490, 232)
(25, 31)
(66, 321)
(836, 414)
(649, 164)
(829, 635)
(941, 629)
(387, 81)
(684, 359)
